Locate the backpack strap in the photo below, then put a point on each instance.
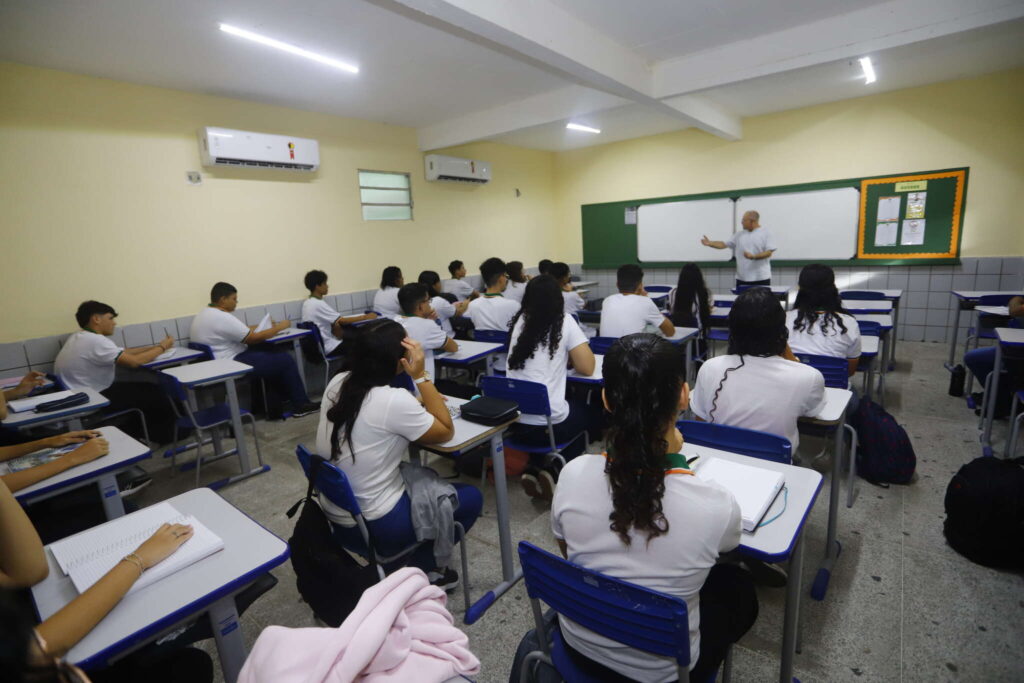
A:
(314, 467)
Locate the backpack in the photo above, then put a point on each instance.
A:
(985, 512)
(328, 578)
(884, 454)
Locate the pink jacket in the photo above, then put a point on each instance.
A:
(399, 631)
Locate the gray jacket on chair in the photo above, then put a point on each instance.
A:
(433, 503)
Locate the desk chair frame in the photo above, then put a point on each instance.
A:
(93, 420)
(326, 357)
(986, 325)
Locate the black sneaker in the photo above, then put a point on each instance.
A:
(446, 579)
(764, 574)
(531, 482)
(306, 409)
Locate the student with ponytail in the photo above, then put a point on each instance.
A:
(365, 429)
(638, 514)
(818, 324)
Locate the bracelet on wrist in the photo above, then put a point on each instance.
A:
(136, 560)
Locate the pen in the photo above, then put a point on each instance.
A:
(692, 460)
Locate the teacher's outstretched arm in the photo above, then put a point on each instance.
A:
(713, 243)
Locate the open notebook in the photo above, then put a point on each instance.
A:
(753, 487)
(87, 556)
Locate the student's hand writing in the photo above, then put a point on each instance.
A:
(71, 437)
(412, 363)
(29, 382)
(167, 342)
(163, 543)
(89, 451)
(371, 315)
(283, 325)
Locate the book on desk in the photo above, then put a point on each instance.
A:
(754, 488)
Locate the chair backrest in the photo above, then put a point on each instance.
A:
(737, 440)
(174, 389)
(602, 344)
(331, 482)
(658, 289)
(58, 383)
(205, 348)
(738, 289)
(870, 328)
(834, 370)
(491, 336)
(996, 299)
(861, 295)
(315, 333)
(531, 397)
(403, 381)
(635, 616)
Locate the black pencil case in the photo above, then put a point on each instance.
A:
(62, 403)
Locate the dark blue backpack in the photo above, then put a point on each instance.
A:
(884, 454)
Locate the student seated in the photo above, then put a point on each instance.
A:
(631, 310)
(544, 265)
(456, 285)
(668, 528)
(232, 339)
(33, 652)
(28, 383)
(690, 304)
(87, 360)
(447, 306)
(366, 427)
(983, 360)
(544, 340)
(385, 301)
(492, 311)
(517, 280)
(420, 323)
(572, 300)
(759, 384)
(316, 310)
(818, 324)
(93, 446)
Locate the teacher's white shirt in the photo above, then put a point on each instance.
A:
(754, 241)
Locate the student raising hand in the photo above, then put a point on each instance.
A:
(413, 361)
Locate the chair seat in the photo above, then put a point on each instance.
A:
(984, 333)
(528, 448)
(718, 334)
(563, 662)
(210, 417)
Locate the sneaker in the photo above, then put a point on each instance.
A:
(531, 482)
(306, 409)
(446, 579)
(547, 479)
(134, 486)
(764, 574)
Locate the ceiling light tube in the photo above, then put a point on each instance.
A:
(270, 42)
(581, 127)
(869, 70)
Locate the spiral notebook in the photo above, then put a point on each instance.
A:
(754, 488)
(87, 556)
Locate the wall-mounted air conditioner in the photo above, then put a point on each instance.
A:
(457, 170)
(226, 147)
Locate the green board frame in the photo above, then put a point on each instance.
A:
(609, 243)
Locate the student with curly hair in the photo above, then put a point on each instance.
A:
(819, 324)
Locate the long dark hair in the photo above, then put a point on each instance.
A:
(390, 277)
(818, 300)
(373, 361)
(643, 375)
(515, 271)
(691, 287)
(757, 327)
(542, 312)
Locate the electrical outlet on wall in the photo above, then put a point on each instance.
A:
(193, 178)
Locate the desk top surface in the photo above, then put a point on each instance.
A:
(836, 401)
(24, 419)
(885, 320)
(174, 356)
(867, 306)
(887, 293)
(207, 371)
(975, 295)
(466, 433)
(288, 335)
(469, 351)
(596, 378)
(1011, 336)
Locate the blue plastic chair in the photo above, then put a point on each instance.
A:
(658, 289)
(332, 482)
(834, 370)
(737, 440)
(208, 350)
(491, 336)
(532, 399)
(635, 616)
(318, 340)
(870, 328)
(861, 295)
(742, 288)
(1015, 420)
(600, 345)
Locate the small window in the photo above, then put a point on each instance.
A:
(385, 196)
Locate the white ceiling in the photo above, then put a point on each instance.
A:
(516, 72)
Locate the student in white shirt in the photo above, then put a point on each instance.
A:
(421, 324)
(690, 304)
(385, 301)
(753, 247)
(517, 280)
(818, 324)
(462, 290)
(572, 300)
(668, 528)
(492, 311)
(87, 360)
(327, 320)
(232, 339)
(446, 305)
(544, 340)
(631, 310)
(93, 446)
(366, 427)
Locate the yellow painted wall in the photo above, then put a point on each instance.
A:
(976, 122)
(95, 204)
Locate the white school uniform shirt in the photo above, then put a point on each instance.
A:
(754, 241)
(515, 291)
(551, 372)
(320, 313)
(703, 522)
(388, 421)
(834, 342)
(426, 332)
(86, 361)
(460, 288)
(445, 312)
(221, 331)
(623, 314)
(385, 302)
(573, 302)
(766, 394)
(493, 312)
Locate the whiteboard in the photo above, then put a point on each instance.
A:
(818, 225)
(671, 231)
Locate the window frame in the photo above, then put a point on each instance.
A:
(362, 187)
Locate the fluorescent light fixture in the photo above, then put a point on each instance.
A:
(270, 42)
(869, 70)
(579, 126)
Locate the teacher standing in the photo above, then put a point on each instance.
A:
(753, 248)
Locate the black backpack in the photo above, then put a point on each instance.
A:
(985, 512)
(884, 452)
(328, 578)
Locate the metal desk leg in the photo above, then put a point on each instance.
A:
(990, 402)
(689, 360)
(832, 545)
(227, 633)
(300, 366)
(111, 496)
(956, 332)
(882, 367)
(501, 502)
(792, 615)
(895, 333)
(75, 424)
(240, 447)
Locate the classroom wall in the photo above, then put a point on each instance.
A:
(95, 204)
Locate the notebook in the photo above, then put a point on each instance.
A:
(169, 353)
(264, 323)
(22, 405)
(35, 459)
(87, 556)
(753, 487)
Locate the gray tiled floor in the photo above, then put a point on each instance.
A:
(902, 605)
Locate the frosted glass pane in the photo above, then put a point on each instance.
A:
(384, 196)
(371, 179)
(387, 213)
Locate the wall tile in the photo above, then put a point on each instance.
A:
(987, 282)
(344, 303)
(914, 333)
(15, 372)
(969, 265)
(238, 314)
(157, 329)
(936, 334)
(915, 300)
(938, 317)
(898, 280)
(964, 282)
(1013, 265)
(941, 270)
(42, 350)
(184, 325)
(277, 311)
(918, 282)
(293, 310)
(138, 334)
(939, 300)
(913, 316)
(42, 367)
(1009, 282)
(989, 266)
(940, 282)
(12, 355)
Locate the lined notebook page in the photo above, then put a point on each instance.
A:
(87, 556)
(753, 487)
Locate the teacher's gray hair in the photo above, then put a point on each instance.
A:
(754, 214)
